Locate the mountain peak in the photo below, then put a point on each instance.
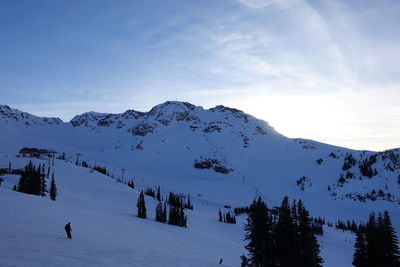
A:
(14, 115)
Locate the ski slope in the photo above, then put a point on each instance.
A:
(106, 231)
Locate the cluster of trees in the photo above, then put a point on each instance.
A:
(161, 212)
(286, 239)
(101, 169)
(376, 243)
(178, 200)
(241, 210)
(347, 226)
(150, 192)
(226, 217)
(62, 156)
(349, 161)
(303, 182)
(366, 167)
(32, 181)
(211, 163)
(176, 211)
(176, 215)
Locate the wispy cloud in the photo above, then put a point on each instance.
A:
(266, 3)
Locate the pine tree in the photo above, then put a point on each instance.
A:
(359, 256)
(53, 188)
(259, 234)
(164, 214)
(244, 262)
(159, 213)
(172, 215)
(189, 204)
(141, 206)
(391, 247)
(220, 215)
(285, 232)
(43, 187)
(308, 248)
(158, 194)
(177, 216)
(373, 240)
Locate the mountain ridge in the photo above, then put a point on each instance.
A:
(184, 140)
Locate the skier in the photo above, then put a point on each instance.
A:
(68, 230)
(220, 261)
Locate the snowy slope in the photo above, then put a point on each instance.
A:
(106, 231)
(161, 147)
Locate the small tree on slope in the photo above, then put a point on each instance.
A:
(141, 206)
(53, 188)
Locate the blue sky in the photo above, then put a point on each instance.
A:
(324, 70)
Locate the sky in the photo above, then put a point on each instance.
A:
(327, 70)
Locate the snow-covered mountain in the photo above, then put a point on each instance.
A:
(221, 156)
(187, 144)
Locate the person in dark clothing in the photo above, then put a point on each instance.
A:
(220, 261)
(68, 230)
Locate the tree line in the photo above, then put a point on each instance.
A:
(284, 236)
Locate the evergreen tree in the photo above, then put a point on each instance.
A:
(244, 262)
(164, 214)
(373, 240)
(308, 247)
(172, 216)
(189, 204)
(359, 256)
(177, 216)
(141, 206)
(158, 194)
(43, 187)
(220, 215)
(391, 247)
(285, 236)
(159, 213)
(53, 188)
(259, 234)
